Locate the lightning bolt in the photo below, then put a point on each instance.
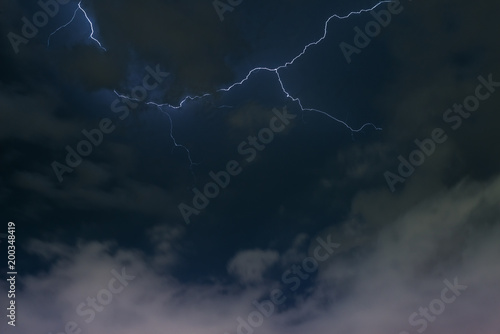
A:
(176, 145)
(91, 36)
(276, 71)
(191, 163)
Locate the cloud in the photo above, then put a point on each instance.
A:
(30, 117)
(372, 289)
(249, 266)
(451, 234)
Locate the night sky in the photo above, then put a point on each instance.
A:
(240, 167)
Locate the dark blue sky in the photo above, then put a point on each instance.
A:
(343, 164)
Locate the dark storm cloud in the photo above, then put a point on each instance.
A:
(438, 51)
(99, 187)
(416, 103)
(433, 70)
(187, 38)
(31, 117)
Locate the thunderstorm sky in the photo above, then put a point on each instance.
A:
(253, 166)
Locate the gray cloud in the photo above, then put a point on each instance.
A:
(249, 266)
(451, 234)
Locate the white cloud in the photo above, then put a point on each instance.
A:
(453, 234)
